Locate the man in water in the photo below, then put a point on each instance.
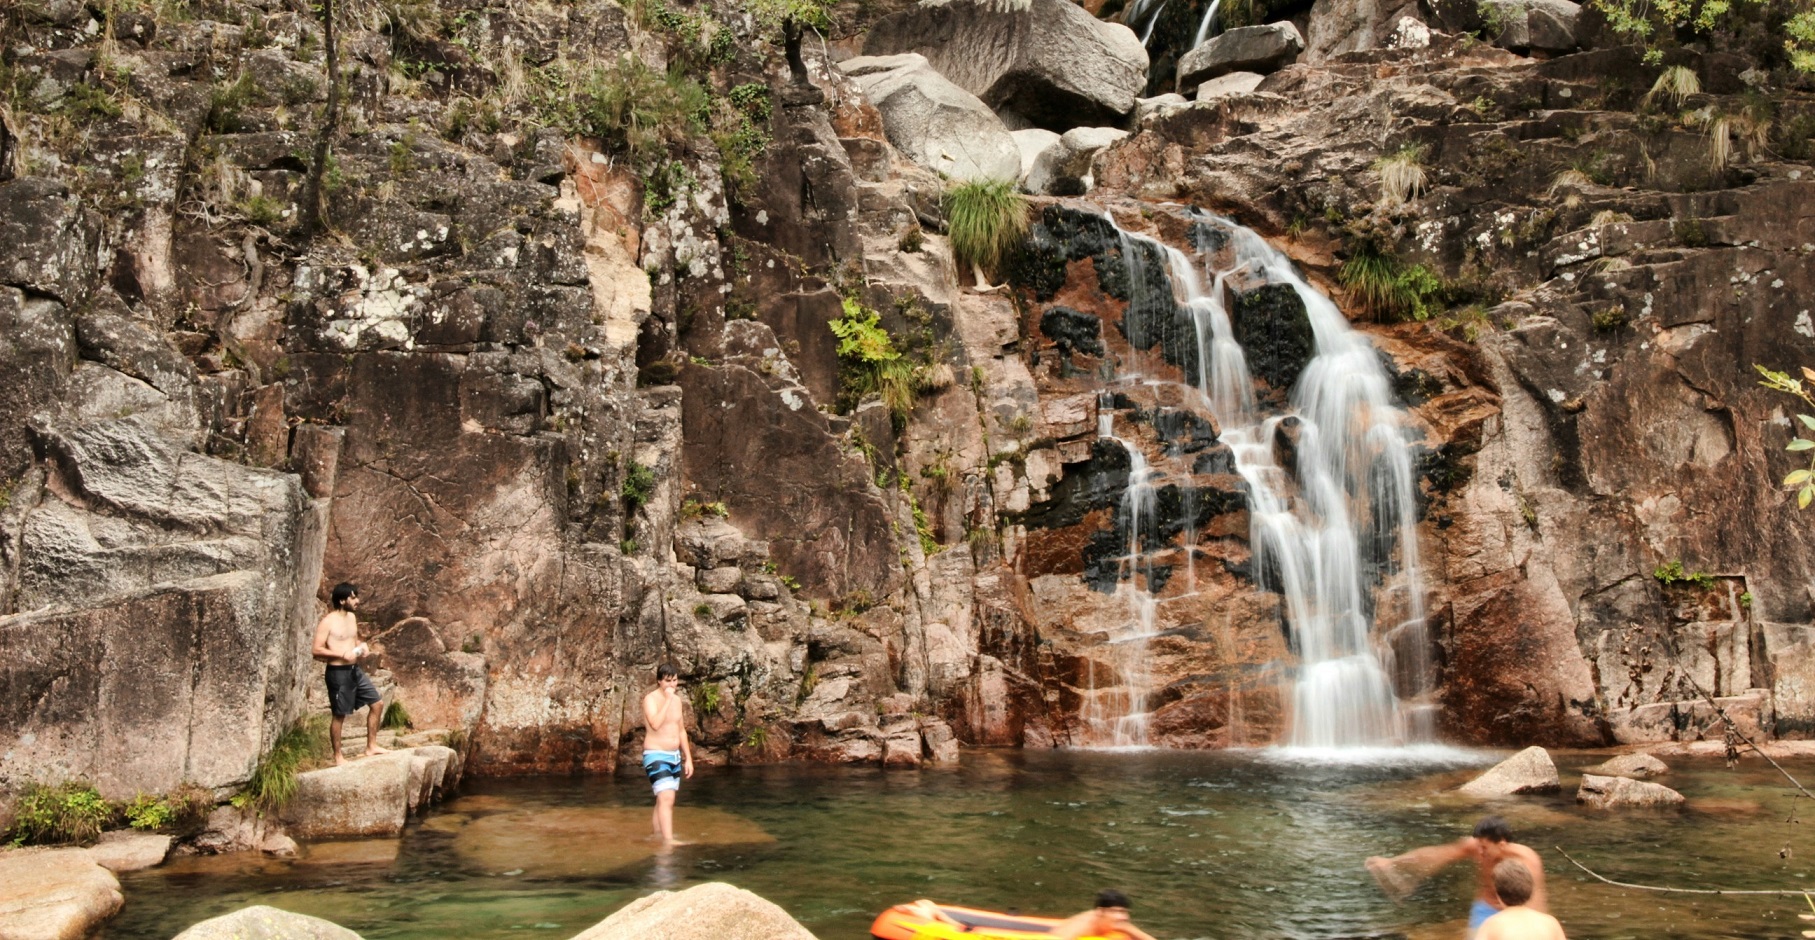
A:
(667, 758)
(1109, 916)
(1513, 882)
(1490, 845)
(337, 644)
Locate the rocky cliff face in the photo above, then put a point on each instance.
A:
(565, 409)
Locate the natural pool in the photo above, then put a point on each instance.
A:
(1224, 845)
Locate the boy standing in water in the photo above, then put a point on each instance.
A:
(1490, 845)
(337, 644)
(667, 758)
(1513, 882)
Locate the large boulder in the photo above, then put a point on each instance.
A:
(54, 894)
(1529, 771)
(371, 796)
(1051, 64)
(1338, 26)
(1624, 793)
(933, 122)
(1636, 766)
(266, 923)
(714, 910)
(1033, 142)
(1064, 169)
(1243, 49)
(1542, 25)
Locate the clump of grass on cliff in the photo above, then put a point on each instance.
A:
(273, 782)
(986, 219)
(59, 814)
(1389, 288)
(1402, 175)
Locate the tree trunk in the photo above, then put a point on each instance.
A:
(314, 208)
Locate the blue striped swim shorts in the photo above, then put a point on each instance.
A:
(664, 769)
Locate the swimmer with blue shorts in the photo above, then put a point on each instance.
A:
(1491, 844)
(667, 757)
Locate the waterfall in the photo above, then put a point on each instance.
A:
(1116, 714)
(1209, 23)
(1151, 24)
(1320, 526)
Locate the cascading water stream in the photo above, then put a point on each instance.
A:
(1321, 530)
(1208, 23)
(1116, 714)
(1148, 35)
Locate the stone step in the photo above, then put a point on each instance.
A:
(370, 796)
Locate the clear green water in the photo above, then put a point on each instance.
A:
(1224, 845)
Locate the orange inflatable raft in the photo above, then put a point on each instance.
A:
(924, 920)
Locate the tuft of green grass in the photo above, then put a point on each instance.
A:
(986, 220)
(396, 717)
(1389, 288)
(639, 485)
(1402, 175)
(69, 813)
(273, 782)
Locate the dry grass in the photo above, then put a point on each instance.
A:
(1676, 83)
(1609, 217)
(1402, 175)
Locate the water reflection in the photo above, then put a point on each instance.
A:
(1227, 845)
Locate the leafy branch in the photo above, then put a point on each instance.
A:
(1802, 480)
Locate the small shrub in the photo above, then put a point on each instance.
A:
(1673, 573)
(396, 717)
(1608, 319)
(59, 814)
(757, 737)
(273, 781)
(694, 509)
(789, 581)
(1389, 288)
(1609, 217)
(706, 696)
(912, 239)
(628, 547)
(702, 609)
(1402, 175)
(638, 486)
(986, 220)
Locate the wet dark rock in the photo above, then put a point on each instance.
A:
(1181, 430)
(1096, 483)
(1285, 443)
(1073, 330)
(1217, 459)
(1274, 330)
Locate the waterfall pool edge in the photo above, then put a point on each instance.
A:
(1223, 844)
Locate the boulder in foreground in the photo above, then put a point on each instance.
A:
(1529, 771)
(54, 894)
(266, 923)
(1624, 792)
(715, 910)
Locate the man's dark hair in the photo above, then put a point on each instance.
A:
(1112, 898)
(1512, 882)
(1493, 829)
(342, 591)
(666, 671)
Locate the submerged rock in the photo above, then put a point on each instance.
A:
(583, 841)
(266, 923)
(1637, 766)
(53, 894)
(715, 910)
(1624, 792)
(1052, 65)
(1529, 771)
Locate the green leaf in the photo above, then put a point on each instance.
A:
(1800, 443)
(1808, 421)
(1803, 496)
(1797, 478)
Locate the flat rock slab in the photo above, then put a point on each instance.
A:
(714, 910)
(266, 923)
(370, 796)
(131, 851)
(1624, 792)
(581, 841)
(1260, 49)
(1529, 771)
(1636, 766)
(54, 894)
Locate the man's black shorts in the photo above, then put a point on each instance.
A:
(349, 690)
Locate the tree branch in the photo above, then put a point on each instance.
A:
(1623, 884)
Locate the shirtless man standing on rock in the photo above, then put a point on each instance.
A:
(337, 644)
(1491, 844)
(667, 757)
